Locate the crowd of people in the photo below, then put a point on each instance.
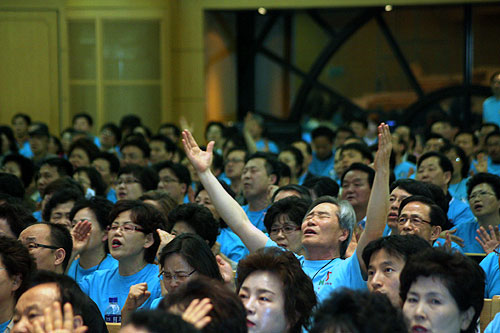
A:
(349, 231)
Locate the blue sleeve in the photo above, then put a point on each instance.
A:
(85, 284)
(494, 326)
(491, 269)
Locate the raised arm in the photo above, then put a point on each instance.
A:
(376, 214)
(227, 207)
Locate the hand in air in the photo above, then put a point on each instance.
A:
(201, 160)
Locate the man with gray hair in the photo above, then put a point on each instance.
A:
(326, 228)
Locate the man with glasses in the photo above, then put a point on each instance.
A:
(174, 179)
(480, 235)
(133, 241)
(419, 215)
(50, 245)
(133, 180)
(233, 169)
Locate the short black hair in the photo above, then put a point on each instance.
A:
(271, 163)
(444, 162)
(86, 145)
(26, 166)
(71, 293)
(11, 185)
(147, 177)
(228, 313)
(17, 262)
(173, 126)
(60, 237)
(293, 207)
(64, 168)
(169, 145)
(62, 183)
(144, 215)
(87, 117)
(25, 117)
(487, 178)
(464, 171)
(17, 217)
(359, 147)
(494, 133)
(475, 139)
(395, 245)
(114, 162)
(322, 186)
(179, 170)
(347, 310)
(196, 252)
(101, 208)
(198, 217)
(302, 190)
(129, 122)
(113, 128)
(436, 214)
(160, 321)
(141, 144)
(462, 276)
(96, 181)
(412, 186)
(323, 131)
(297, 154)
(60, 197)
(360, 167)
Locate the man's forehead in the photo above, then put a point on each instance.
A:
(432, 160)
(355, 175)
(40, 296)
(257, 161)
(327, 207)
(36, 231)
(416, 207)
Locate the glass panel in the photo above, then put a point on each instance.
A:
(131, 50)
(83, 99)
(82, 58)
(486, 59)
(143, 101)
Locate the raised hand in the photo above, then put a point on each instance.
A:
(488, 240)
(382, 157)
(201, 160)
(55, 322)
(165, 238)
(81, 235)
(197, 313)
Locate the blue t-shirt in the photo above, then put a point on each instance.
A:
(491, 110)
(329, 275)
(4, 325)
(78, 273)
(402, 170)
(25, 150)
(459, 190)
(494, 325)
(155, 303)
(459, 212)
(441, 241)
(231, 245)
(102, 285)
(271, 146)
(111, 195)
(321, 168)
(493, 168)
(490, 267)
(257, 217)
(467, 231)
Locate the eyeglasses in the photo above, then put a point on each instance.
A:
(33, 245)
(125, 181)
(286, 228)
(478, 194)
(234, 160)
(167, 180)
(179, 276)
(127, 227)
(415, 221)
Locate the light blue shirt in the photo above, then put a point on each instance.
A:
(459, 190)
(329, 275)
(491, 110)
(261, 146)
(76, 271)
(403, 169)
(490, 267)
(459, 212)
(467, 231)
(322, 168)
(102, 285)
(257, 217)
(494, 325)
(231, 245)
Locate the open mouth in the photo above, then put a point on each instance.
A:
(309, 232)
(418, 328)
(116, 243)
(250, 323)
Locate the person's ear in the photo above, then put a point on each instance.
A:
(149, 241)
(272, 179)
(104, 237)
(447, 177)
(435, 232)
(344, 235)
(16, 282)
(466, 318)
(59, 254)
(77, 321)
